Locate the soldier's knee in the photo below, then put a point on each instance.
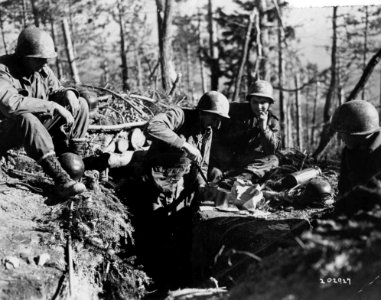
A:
(84, 107)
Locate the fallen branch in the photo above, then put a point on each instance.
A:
(119, 96)
(115, 128)
(143, 98)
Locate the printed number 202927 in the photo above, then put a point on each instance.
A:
(332, 280)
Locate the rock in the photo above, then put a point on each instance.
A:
(11, 262)
(42, 259)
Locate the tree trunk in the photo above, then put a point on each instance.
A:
(2, 32)
(123, 51)
(54, 37)
(264, 67)
(139, 69)
(317, 96)
(35, 12)
(189, 69)
(164, 18)
(290, 136)
(200, 58)
(237, 87)
(307, 122)
(24, 13)
(332, 86)
(365, 45)
(259, 48)
(70, 51)
(299, 129)
(213, 59)
(282, 102)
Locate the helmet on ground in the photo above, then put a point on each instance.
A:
(72, 164)
(318, 190)
(34, 42)
(215, 103)
(261, 88)
(356, 117)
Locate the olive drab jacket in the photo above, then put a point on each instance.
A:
(359, 165)
(19, 94)
(170, 130)
(240, 135)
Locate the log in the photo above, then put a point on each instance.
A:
(137, 139)
(121, 145)
(117, 160)
(115, 128)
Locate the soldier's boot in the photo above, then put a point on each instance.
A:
(78, 146)
(65, 187)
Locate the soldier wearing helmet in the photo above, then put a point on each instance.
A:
(29, 118)
(248, 141)
(357, 125)
(180, 149)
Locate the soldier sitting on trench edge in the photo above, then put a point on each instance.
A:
(29, 117)
(247, 142)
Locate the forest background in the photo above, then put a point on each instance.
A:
(314, 57)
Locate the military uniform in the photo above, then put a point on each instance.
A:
(241, 144)
(359, 165)
(26, 112)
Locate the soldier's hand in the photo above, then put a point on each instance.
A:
(64, 113)
(193, 153)
(263, 117)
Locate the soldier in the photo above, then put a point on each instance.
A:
(175, 167)
(357, 125)
(28, 116)
(248, 141)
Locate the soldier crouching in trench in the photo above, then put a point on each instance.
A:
(247, 141)
(165, 196)
(357, 125)
(29, 118)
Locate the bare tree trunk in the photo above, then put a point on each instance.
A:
(327, 132)
(200, 58)
(290, 136)
(259, 48)
(70, 51)
(164, 18)
(123, 50)
(35, 13)
(282, 102)
(313, 127)
(332, 86)
(307, 122)
(264, 40)
(24, 13)
(365, 45)
(54, 37)
(299, 129)
(139, 69)
(213, 59)
(189, 69)
(237, 87)
(2, 32)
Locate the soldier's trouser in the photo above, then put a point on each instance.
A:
(259, 164)
(36, 136)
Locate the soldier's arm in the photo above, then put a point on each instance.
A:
(12, 103)
(270, 137)
(162, 127)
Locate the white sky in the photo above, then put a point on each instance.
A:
(321, 3)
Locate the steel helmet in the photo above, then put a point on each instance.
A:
(318, 191)
(261, 88)
(72, 164)
(214, 102)
(33, 42)
(356, 117)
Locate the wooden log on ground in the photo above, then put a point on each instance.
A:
(115, 128)
(137, 139)
(121, 144)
